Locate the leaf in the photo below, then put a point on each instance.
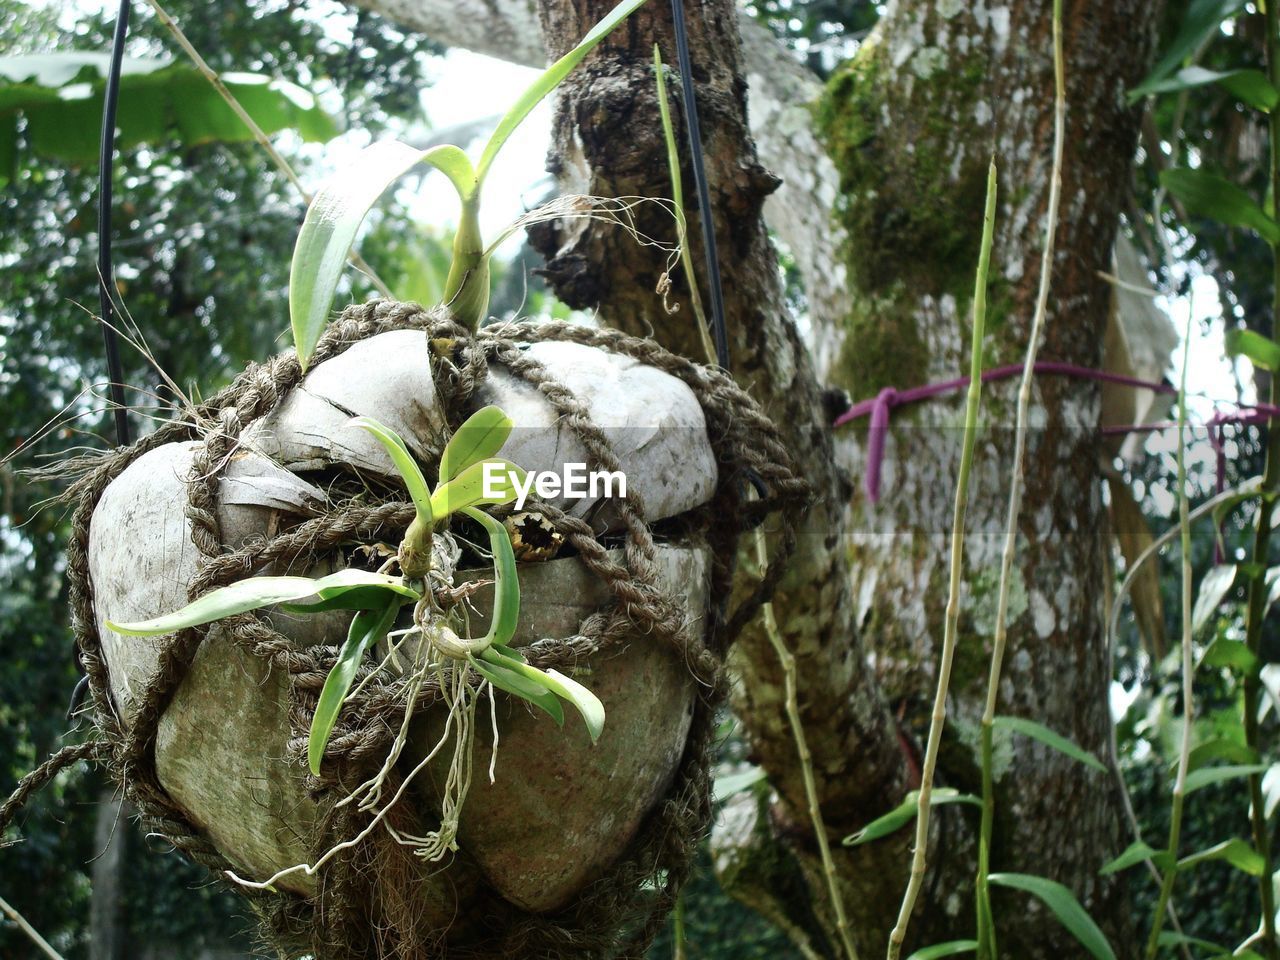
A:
(59, 95)
(725, 787)
(669, 135)
(506, 582)
(480, 437)
(333, 219)
(404, 462)
(1262, 351)
(1134, 854)
(1064, 906)
(258, 592)
(1171, 938)
(1235, 851)
(949, 949)
(1251, 87)
(1038, 731)
(1218, 749)
(511, 653)
(468, 488)
(1210, 196)
(1203, 18)
(548, 81)
(1233, 654)
(353, 598)
(1207, 776)
(904, 813)
(511, 682)
(1213, 588)
(586, 702)
(368, 627)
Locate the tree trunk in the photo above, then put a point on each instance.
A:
(106, 905)
(911, 124)
(909, 127)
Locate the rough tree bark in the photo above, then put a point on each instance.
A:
(907, 128)
(911, 124)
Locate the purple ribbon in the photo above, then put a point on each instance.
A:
(880, 409)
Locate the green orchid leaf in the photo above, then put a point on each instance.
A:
(511, 682)
(410, 472)
(368, 627)
(337, 210)
(904, 813)
(506, 582)
(1236, 852)
(257, 592)
(1207, 776)
(1202, 21)
(1232, 654)
(1171, 938)
(469, 488)
(1217, 199)
(586, 702)
(548, 81)
(350, 598)
(511, 653)
(949, 949)
(1038, 731)
(479, 438)
(1220, 748)
(1137, 852)
(1064, 905)
(1250, 87)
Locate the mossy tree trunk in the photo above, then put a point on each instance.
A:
(911, 123)
(898, 147)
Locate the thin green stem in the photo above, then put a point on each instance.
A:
(256, 131)
(919, 859)
(791, 692)
(466, 289)
(1256, 602)
(677, 198)
(1170, 871)
(987, 949)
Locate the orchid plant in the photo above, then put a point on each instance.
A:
(378, 597)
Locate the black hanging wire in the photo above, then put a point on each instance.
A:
(700, 182)
(106, 273)
(106, 277)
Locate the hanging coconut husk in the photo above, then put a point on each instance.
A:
(574, 849)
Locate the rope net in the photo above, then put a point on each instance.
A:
(366, 904)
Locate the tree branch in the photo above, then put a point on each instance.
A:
(782, 90)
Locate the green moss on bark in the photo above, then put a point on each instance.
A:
(912, 212)
(883, 346)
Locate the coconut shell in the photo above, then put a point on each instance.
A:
(221, 742)
(560, 809)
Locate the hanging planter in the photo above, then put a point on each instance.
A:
(274, 478)
(416, 634)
